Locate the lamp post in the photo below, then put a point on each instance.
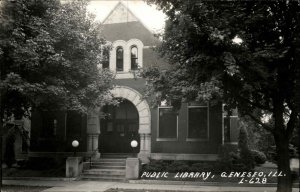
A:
(75, 144)
(133, 144)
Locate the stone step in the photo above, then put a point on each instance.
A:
(102, 178)
(107, 167)
(116, 155)
(108, 172)
(109, 163)
(110, 167)
(109, 160)
(103, 175)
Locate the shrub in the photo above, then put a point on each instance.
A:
(42, 163)
(155, 166)
(230, 162)
(295, 176)
(243, 138)
(9, 153)
(177, 166)
(232, 159)
(245, 152)
(259, 157)
(228, 155)
(272, 154)
(203, 166)
(293, 151)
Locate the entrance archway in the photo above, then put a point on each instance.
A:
(143, 109)
(118, 128)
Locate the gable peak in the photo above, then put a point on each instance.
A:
(120, 14)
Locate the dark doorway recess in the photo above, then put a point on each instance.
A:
(118, 128)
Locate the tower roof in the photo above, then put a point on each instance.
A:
(120, 14)
(122, 24)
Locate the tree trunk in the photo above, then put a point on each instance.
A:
(284, 183)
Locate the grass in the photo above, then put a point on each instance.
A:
(14, 188)
(36, 167)
(26, 172)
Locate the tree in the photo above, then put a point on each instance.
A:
(243, 53)
(50, 53)
(49, 56)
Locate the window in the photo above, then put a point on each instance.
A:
(105, 59)
(120, 59)
(226, 129)
(126, 58)
(230, 129)
(48, 126)
(134, 58)
(168, 123)
(198, 123)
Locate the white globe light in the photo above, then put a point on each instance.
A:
(75, 143)
(134, 143)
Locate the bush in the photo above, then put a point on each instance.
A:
(9, 153)
(155, 166)
(293, 151)
(232, 159)
(245, 153)
(243, 139)
(259, 157)
(203, 167)
(42, 163)
(295, 176)
(272, 154)
(230, 162)
(177, 166)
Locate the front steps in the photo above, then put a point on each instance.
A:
(110, 167)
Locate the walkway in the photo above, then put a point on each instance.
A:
(96, 186)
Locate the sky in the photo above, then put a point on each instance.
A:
(152, 18)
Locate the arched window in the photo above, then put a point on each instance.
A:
(134, 58)
(120, 59)
(105, 57)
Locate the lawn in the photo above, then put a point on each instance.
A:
(14, 188)
(26, 172)
(37, 167)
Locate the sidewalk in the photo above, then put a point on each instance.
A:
(100, 186)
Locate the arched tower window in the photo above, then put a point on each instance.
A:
(105, 57)
(134, 57)
(120, 59)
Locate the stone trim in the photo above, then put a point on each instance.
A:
(176, 156)
(126, 45)
(139, 102)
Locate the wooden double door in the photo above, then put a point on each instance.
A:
(118, 128)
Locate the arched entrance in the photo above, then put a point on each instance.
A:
(144, 122)
(143, 109)
(118, 128)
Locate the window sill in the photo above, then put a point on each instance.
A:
(125, 75)
(166, 139)
(196, 139)
(231, 143)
